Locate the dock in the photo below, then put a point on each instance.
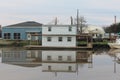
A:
(38, 47)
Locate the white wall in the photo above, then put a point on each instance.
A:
(58, 29)
(54, 41)
(54, 56)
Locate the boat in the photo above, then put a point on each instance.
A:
(115, 45)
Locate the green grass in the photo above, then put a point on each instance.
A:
(18, 43)
(94, 43)
(103, 43)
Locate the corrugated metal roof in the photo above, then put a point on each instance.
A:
(25, 24)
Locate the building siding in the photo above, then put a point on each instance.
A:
(54, 41)
(56, 32)
(21, 30)
(63, 29)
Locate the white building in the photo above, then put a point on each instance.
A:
(59, 35)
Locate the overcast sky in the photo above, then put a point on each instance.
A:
(96, 12)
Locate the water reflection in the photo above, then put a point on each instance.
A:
(84, 57)
(59, 61)
(51, 61)
(60, 64)
(65, 61)
(22, 57)
(116, 54)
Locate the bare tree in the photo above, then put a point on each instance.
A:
(80, 22)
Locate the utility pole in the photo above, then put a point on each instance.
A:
(80, 23)
(115, 24)
(77, 21)
(71, 20)
(56, 21)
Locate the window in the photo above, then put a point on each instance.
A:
(100, 35)
(49, 39)
(69, 68)
(16, 35)
(48, 57)
(59, 39)
(32, 33)
(69, 58)
(97, 35)
(60, 58)
(49, 29)
(49, 67)
(70, 28)
(69, 39)
(6, 35)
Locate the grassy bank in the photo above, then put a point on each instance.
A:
(18, 43)
(26, 42)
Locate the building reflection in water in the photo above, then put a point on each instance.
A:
(84, 57)
(51, 61)
(28, 58)
(65, 61)
(59, 61)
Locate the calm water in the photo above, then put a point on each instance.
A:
(20, 64)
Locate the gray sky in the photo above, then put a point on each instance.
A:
(96, 12)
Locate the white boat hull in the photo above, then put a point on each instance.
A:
(114, 45)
